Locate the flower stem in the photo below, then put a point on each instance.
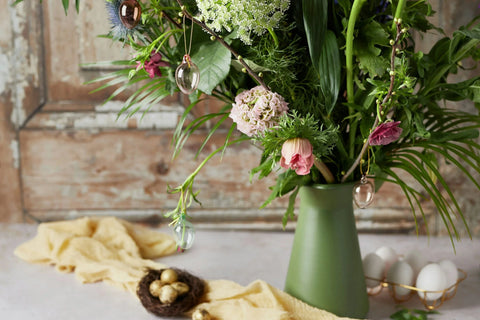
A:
(399, 11)
(274, 36)
(186, 189)
(356, 8)
(322, 167)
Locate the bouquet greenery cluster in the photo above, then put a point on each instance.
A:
(332, 91)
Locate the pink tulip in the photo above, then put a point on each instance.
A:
(385, 133)
(297, 154)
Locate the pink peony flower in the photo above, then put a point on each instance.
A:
(297, 154)
(152, 65)
(257, 109)
(385, 133)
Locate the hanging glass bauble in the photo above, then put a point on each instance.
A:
(363, 193)
(184, 234)
(130, 13)
(187, 75)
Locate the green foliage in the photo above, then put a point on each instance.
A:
(412, 314)
(315, 16)
(333, 62)
(329, 69)
(371, 38)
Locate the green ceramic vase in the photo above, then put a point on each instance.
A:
(325, 268)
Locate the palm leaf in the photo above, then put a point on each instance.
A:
(409, 194)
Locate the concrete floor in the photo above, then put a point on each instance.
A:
(39, 292)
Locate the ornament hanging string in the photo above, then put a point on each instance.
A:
(187, 51)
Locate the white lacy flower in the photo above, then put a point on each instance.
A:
(246, 15)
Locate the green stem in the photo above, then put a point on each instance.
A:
(274, 36)
(399, 11)
(356, 8)
(186, 189)
(322, 167)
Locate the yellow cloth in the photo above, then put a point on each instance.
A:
(116, 251)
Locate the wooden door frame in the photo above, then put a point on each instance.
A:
(22, 94)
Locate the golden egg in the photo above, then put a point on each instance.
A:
(201, 314)
(167, 295)
(169, 276)
(155, 287)
(182, 288)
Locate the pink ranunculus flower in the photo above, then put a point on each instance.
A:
(385, 133)
(297, 154)
(257, 109)
(152, 65)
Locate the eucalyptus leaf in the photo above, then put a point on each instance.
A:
(213, 60)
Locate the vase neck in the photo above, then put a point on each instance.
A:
(332, 196)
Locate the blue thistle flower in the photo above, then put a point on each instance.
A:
(118, 30)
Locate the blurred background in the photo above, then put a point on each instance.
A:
(64, 155)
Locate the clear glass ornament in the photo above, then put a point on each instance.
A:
(187, 75)
(363, 193)
(184, 234)
(130, 13)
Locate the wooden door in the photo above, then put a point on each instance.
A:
(64, 155)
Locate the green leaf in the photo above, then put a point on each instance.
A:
(421, 132)
(412, 314)
(65, 4)
(329, 69)
(213, 60)
(367, 51)
(289, 214)
(315, 16)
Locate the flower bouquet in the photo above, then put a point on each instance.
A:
(331, 91)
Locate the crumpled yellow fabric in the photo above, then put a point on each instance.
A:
(118, 252)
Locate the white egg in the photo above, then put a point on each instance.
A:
(451, 273)
(416, 260)
(373, 267)
(431, 278)
(401, 273)
(388, 255)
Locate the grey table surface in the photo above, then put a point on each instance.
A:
(39, 292)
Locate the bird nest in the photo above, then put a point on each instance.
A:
(181, 304)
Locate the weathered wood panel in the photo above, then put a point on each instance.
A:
(70, 41)
(128, 169)
(69, 173)
(22, 92)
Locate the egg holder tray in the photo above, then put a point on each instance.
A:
(446, 294)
